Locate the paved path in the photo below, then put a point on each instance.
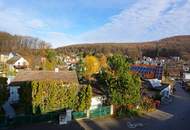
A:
(174, 116)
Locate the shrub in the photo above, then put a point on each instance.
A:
(124, 111)
(147, 104)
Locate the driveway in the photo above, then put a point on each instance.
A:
(174, 116)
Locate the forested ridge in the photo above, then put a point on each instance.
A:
(27, 46)
(172, 46)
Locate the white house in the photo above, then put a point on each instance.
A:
(17, 62)
(97, 99)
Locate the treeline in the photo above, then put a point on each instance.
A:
(17, 43)
(26, 46)
(173, 46)
(163, 52)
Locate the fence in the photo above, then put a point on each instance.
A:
(79, 115)
(95, 113)
(100, 112)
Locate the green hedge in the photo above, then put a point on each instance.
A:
(40, 97)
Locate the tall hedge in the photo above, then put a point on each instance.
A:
(47, 96)
(84, 98)
(50, 96)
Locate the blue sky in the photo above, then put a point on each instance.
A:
(64, 22)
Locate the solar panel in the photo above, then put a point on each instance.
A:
(143, 70)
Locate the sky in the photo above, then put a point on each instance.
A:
(65, 22)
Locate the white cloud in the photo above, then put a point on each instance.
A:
(146, 20)
(11, 20)
(15, 21)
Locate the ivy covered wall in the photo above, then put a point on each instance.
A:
(49, 96)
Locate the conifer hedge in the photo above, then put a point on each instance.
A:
(51, 96)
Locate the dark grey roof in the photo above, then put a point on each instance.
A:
(13, 60)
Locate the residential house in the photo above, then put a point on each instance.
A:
(24, 76)
(98, 99)
(151, 61)
(70, 62)
(17, 62)
(148, 71)
(68, 77)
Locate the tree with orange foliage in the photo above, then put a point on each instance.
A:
(91, 66)
(103, 61)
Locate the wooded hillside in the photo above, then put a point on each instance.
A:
(26, 46)
(172, 46)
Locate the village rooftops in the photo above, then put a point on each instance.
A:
(148, 71)
(65, 76)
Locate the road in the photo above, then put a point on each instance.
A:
(174, 116)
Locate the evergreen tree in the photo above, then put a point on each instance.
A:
(123, 87)
(84, 98)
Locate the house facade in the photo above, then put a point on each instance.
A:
(98, 99)
(27, 76)
(17, 62)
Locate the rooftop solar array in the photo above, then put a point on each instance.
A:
(142, 70)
